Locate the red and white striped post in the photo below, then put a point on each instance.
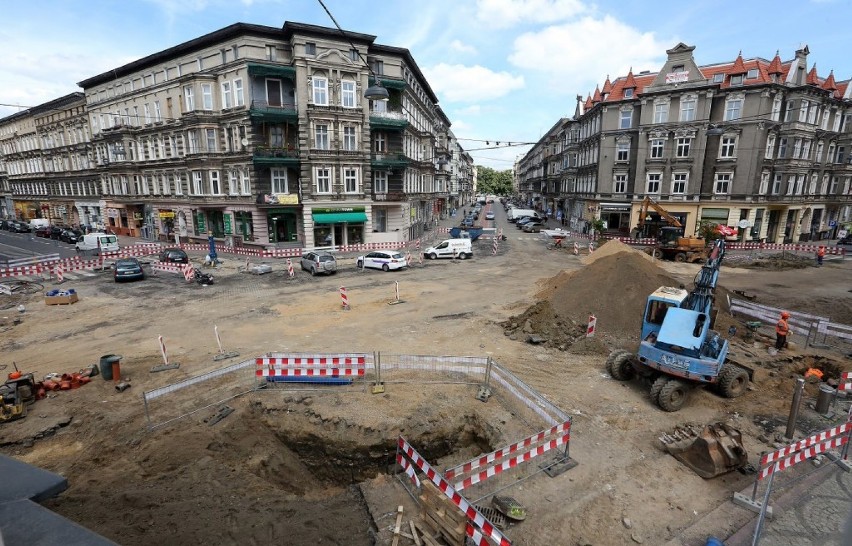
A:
(397, 290)
(417, 244)
(591, 247)
(590, 329)
(408, 257)
(494, 247)
(163, 351)
(247, 264)
(344, 298)
(290, 271)
(59, 274)
(421, 258)
(218, 339)
(576, 248)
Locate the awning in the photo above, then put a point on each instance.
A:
(257, 69)
(615, 206)
(340, 217)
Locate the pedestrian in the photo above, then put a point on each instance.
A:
(820, 255)
(781, 331)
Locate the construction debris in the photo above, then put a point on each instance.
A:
(711, 451)
(441, 518)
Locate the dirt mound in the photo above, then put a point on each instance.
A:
(610, 247)
(613, 286)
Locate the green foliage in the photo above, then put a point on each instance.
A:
(489, 180)
(597, 225)
(707, 230)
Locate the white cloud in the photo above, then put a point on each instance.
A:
(507, 13)
(577, 53)
(472, 110)
(462, 47)
(460, 125)
(462, 83)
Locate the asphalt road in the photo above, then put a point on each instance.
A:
(14, 246)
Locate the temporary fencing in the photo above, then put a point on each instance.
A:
(186, 270)
(282, 366)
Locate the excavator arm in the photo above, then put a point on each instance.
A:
(643, 211)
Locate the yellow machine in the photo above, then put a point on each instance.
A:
(671, 242)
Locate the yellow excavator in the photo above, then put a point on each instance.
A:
(671, 242)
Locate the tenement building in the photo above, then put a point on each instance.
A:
(260, 135)
(761, 146)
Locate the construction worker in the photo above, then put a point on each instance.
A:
(820, 255)
(781, 331)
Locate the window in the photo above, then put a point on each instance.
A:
(679, 183)
(752, 74)
(803, 111)
(189, 98)
(812, 187)
(378, 67)
(661, 112)
(279, 180)
(812, 114)
(841, 152)
(380, 219)
(158, 114)
(215, 183)
(276, 136)
(788, 113)
(791, 184)
(737, 80)
(350, 180)
(233, 188)
(782, 147)
(620, 183)
(323, 178)
(147, 109)
(770, 147)
(210, 137)
(379, 143)
(800, 182)
(733, 109)
(806, 149)
(227, 100)
(239, 98)
(353, 55)
(626, 119)
(349, 141)
(380, 181)
(274, 96)
(207, 96)
(728, 148)
(797, 148)
(683, 145)
(687, 108)
(321, 136)
(776, 108)
(830, 158)
(824, 123)
(192, 140)
(320, 86)
(833, 188)
(179, 186)
(653, 183)
(622, 151)
(628, 93)
(657, 148)
(310, 48)
(347, 94)
(271, 53)
(718, 78)
(245, 183)
(776, 184)
(197, 183)
(764, 183)
(723, 184)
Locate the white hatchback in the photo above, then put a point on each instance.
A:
(382, 259)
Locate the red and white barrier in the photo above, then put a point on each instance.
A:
(186, 270)
(344, 298)
(408, 468)
(803, 450)
(590, 328)
(803, 455)
(247, 264)
(417, 244)
(290, 271)
(473, 515)
(494, 247)
(802, 444)
(408, 259)
(845, 382)
(591, 247)
(60, 277)
(576, 248)
(341, 365)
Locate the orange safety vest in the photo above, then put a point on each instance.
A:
(781, 328)
(821, 251)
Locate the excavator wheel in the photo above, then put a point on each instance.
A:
(610, 359)
(656, 387)
(622, 368)
(680, 257)
(733, 381)
(657, 253)
(673, 395)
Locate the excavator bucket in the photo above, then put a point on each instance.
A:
(709, 452)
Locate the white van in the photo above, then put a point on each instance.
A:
(450, 248)
(515, 214)
(96, 243)
(36, 223)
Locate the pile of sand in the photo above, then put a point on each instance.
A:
(613, 286)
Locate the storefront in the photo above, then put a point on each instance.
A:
(616, 217)
(125, 219)
(339, 226)
(166, 219)
(282, 213)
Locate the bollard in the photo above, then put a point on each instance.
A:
(576, 248)
(247, 264)
(591, 247)
(344, 298)
(421, 258)
(794, 408)
(494, 247)
(590, 329)
(290, 268)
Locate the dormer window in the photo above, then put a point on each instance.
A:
(718, 78)
(628, 93)
(677, 68)
(737, 80)
(752, 74)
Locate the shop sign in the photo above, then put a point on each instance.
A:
(166, 214)
(227, 219)
(137, 215)
(112, 213)
(338, 209)
(281, 199)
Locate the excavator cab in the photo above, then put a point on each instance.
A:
(670, 236)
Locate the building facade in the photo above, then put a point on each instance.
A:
(760, 146)
(258, 135)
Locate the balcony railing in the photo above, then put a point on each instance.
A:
(390, 196)
(391, 160)
(262, 111)
(276, 156)
(388, 120)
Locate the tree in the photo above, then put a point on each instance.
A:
(491, 181)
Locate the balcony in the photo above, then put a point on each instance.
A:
(261, 70)
(262, 111)
(272, 157)
(388, 120)
(394, 196)
(388, 161)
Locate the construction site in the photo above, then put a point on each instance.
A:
(479, 376)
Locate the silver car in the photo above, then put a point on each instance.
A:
(319, 262)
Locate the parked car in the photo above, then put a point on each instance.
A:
(174, 256)
(128, 269)
(6, 224)
(489, 215)
(319, 262)
(71, 236)
(521, 221)
(56, 232)
(382, 259)
(42, 231)
(845, 242)
(533, 226)
(467, 222)
(20, 227)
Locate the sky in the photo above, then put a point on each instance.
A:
(503, 70)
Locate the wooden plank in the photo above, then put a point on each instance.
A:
(397, 526)
(426, 534)
(414, 536)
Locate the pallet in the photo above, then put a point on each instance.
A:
(441, 517)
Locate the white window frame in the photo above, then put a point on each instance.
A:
(684, 146)
(197, 183)
(626, 119)
(189, 98)
(351, 177)
(777, 182)
(350, 138)
(687, 108)
(661, 112)
(728, 147)
(323, 180)
(680, 179)
(734, 108)
(657, 148)
(279, 181)
(233, 183)
(347, 94)
(319, 90)
(321, 137)
(207, 96)
(770, 147)
(239, 95)
(210, 140)
(380, 181)
(245, 183)
(622, 151)
(722, 183)
(227, 97)
(764, 183)
(215, 182)
(653, 180)
(619, 183)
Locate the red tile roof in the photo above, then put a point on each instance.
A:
(775, 65)
(813, 79)
(630, 81)
(607, 88)
(596, 98)
(739, 67)
(588, 105)
(829, 83)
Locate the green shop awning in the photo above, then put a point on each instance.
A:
(279, 71)
(339, 217)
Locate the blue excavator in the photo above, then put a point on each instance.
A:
(679, 349)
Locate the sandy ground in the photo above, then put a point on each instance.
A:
(306, 467)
